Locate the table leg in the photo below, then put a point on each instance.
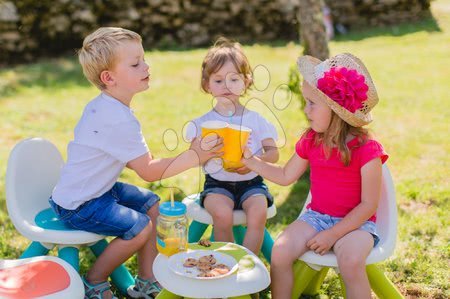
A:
(165, 294)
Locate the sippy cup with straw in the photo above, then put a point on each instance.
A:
(171, 228)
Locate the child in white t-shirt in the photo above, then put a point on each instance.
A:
(226, 75)
(107, 139)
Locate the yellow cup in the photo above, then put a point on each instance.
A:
(235, 138)
(214, 127)
(234, 144)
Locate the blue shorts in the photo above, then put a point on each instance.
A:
(121, 212)
(237, 191)
(322, 222)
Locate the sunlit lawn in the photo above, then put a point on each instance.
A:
(409, 64)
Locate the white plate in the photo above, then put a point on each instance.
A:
(176, 262)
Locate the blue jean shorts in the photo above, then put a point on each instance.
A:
(322, 222)
(120, 212)
(237, 191)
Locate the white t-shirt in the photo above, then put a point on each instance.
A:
(106, 138)
(261, 129)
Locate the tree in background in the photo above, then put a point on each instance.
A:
(312, 29)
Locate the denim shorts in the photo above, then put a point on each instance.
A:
(237, 191)
(322, 222)
(120, 212)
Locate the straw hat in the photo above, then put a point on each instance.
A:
(313, 70)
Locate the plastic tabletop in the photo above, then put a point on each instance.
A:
(238, 284)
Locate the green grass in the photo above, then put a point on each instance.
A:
(409, 64)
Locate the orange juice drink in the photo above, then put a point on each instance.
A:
(170, 246)
(234, 143)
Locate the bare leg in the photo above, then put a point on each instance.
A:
(221, 209)
(147, 254)
(255, 208)
(288, 247)
(351, 253)
(116, 253)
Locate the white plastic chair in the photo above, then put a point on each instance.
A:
(33, 170)
(311, 280)
(201, 219)
(44, 277)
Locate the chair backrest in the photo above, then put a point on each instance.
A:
(33, 170)
(386, 213)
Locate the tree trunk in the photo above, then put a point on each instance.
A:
(312, 29)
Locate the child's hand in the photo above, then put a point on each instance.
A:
(243, 170)
(207, 148)
(247, 153)
(322, 242)
(246, 160)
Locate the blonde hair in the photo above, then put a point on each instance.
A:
(335, 136)
(225, 50)
(98, 51)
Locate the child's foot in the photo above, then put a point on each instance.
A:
(144, 289)
(97, 291)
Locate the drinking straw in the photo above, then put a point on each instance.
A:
(230, 114)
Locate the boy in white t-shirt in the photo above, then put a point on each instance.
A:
(226, 75)
(107, 139)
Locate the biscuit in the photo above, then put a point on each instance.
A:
(190, 262)
(221, 266)
(204, 267)
(207, 259)
(204, 242)
(206, 274)
(220, 271)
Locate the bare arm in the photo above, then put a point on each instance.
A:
(151, 170)
(271, 153)
(282, 175)
(370, 195)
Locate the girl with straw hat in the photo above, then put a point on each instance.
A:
(345, 163)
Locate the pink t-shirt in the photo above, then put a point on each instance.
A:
(335, 188)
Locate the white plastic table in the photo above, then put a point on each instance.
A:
(239, 284)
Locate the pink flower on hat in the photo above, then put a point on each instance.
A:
(344, 86)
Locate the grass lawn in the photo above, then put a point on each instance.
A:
(409, 64)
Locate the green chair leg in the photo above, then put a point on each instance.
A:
(196, 231)
(34, 249)
(242, 297)
(381, 285)
(239, 233)
(303, 274)
(120, 277)
(267, 245)
(70, 255)
(316, 282)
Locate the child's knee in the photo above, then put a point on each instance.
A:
(223, 221)
(144, 235)
(153, 212)
(222, 217)
(281, 254)
(349, 262)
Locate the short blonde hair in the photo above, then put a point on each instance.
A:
(98, 51)
(225, 50)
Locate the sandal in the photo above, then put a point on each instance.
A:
(95, 291)
(144, 289)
